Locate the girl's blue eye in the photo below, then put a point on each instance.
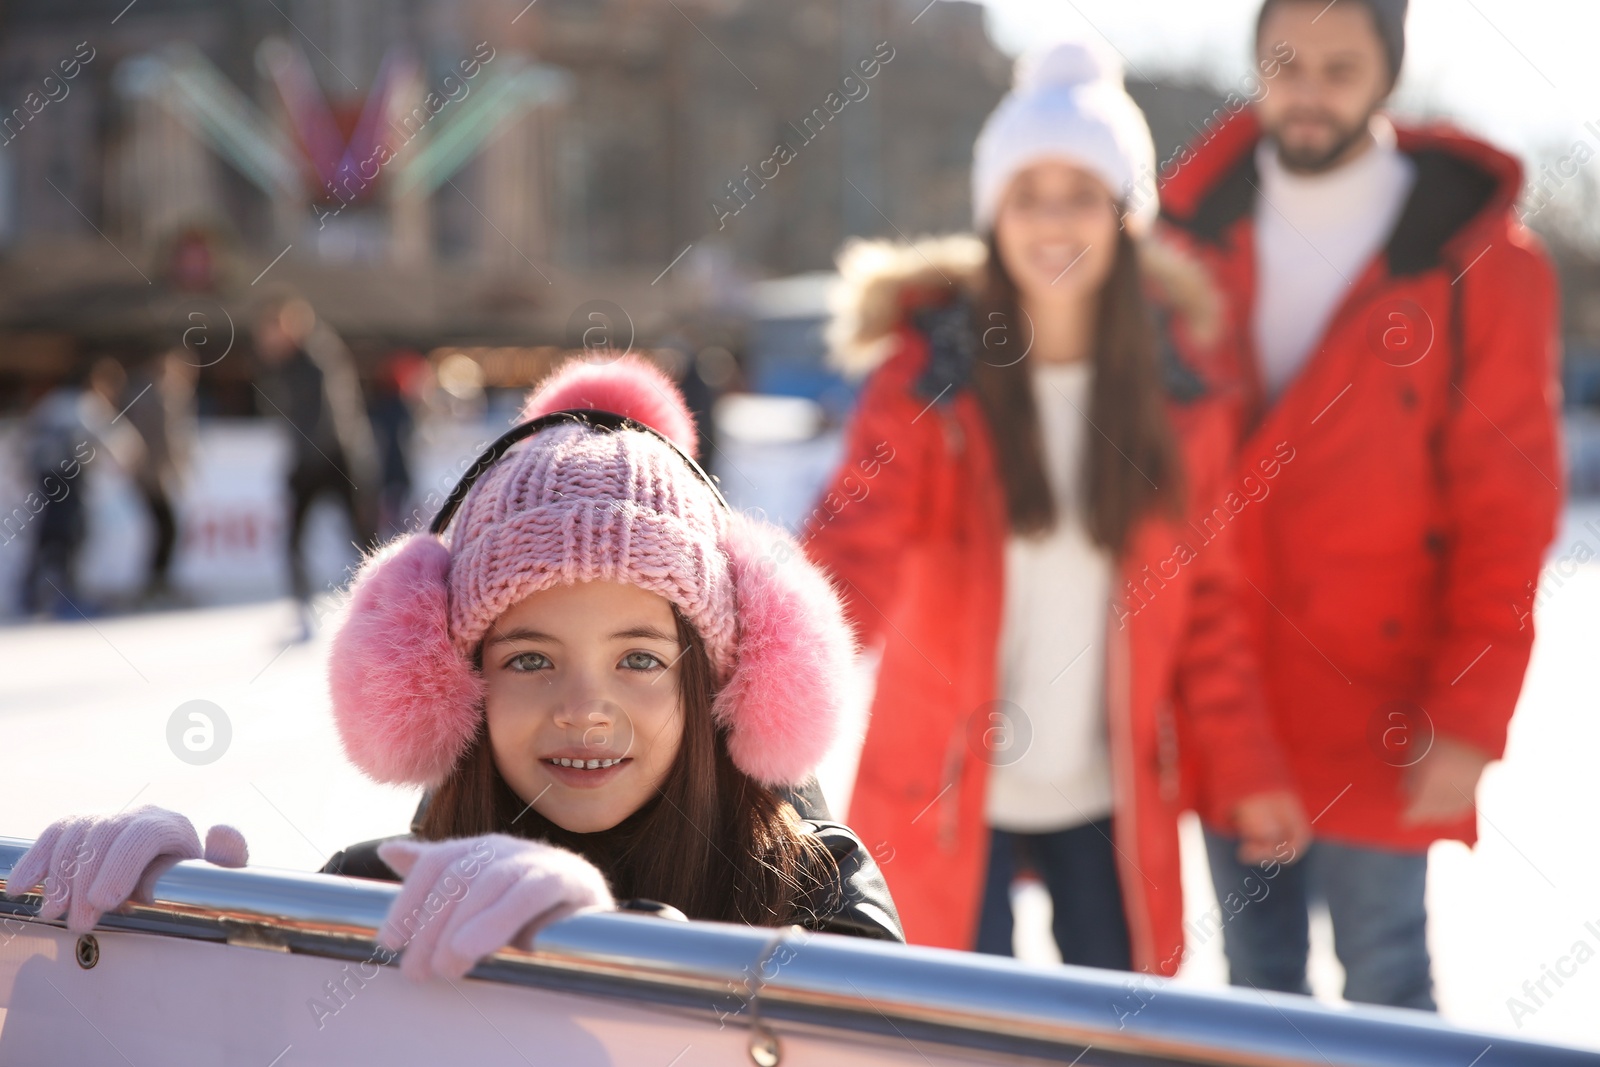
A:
(528, 661)
(641, 661)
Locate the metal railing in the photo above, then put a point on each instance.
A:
(771, 979)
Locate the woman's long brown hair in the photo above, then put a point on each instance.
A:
(713, 842)
(1130, 461)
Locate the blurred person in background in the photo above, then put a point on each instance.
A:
(161, 407)
(393, 415)
(308, 381)
(1400, 330)
(1038, 423)
(711, 374)
(72, 425)
(705, 372)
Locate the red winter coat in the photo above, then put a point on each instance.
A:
(1394, 561)
(913, 529)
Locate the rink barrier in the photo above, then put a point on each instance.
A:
(776, 982)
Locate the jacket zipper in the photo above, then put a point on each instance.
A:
(949, 799)
(1167, 751)
(1125, 827)
(950, 789)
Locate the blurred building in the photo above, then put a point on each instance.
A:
(436, 172)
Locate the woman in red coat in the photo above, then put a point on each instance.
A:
(1062, 666)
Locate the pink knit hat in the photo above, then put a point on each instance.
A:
(574, 503)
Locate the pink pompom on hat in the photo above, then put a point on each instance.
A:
(574, 503)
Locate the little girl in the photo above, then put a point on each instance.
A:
(606, 677)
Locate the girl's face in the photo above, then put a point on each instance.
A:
(1056, 229)
(583, 708)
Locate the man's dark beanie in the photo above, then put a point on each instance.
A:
(1389, 16)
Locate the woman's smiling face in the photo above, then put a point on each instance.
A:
(1056, 229)
(582, 700)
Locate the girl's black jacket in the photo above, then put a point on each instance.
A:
(860, 901)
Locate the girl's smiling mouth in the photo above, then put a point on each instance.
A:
(585, 773)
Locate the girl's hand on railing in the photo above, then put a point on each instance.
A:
(92, 864)
(465, 898)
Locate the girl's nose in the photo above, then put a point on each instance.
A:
(600, 724)
(583, 707)
(586, 710)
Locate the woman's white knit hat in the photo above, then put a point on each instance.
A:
(1067, 101)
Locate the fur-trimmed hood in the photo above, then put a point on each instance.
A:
(881, 280)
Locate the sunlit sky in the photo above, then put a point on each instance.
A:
(1523, 73)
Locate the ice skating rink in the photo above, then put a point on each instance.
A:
(87, 724)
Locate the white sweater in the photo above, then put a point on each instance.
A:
(1052, 641)
(1314, 235)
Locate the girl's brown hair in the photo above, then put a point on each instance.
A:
(1130, 461)
(713, 842)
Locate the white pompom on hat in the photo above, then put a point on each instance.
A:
(1067, 102)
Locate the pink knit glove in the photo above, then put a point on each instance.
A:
(92, 864)
(467, 897)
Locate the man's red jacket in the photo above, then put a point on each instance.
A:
(1394, 560)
